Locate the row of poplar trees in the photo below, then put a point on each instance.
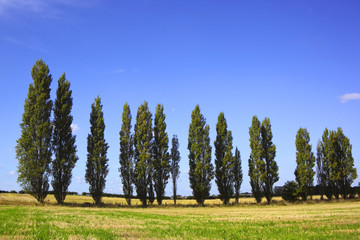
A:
(144, 158)
(145, 161)
(335, 165)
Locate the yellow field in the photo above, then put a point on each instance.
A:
(26, 199)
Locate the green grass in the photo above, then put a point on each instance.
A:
(337, 220)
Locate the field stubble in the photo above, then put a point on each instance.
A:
(335, 220)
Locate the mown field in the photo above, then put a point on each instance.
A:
(335, 220)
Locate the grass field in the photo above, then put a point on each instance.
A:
(335, 220)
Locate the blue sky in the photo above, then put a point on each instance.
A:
(296, 62)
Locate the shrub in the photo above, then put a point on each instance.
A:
(289, 191)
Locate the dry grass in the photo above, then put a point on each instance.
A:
(340, 219)
(26, 199)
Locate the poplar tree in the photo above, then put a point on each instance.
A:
(224, 160)
(143, 152)
(161, 159)
(33, 149)
(201, 169)
(174, 164)
(320, 170)
(256, 163)
(97, 161)
(270, 174)
(326, 165)
(238, 175)
(126, 154)
(63, 142)
(343, 172)
(305, 161)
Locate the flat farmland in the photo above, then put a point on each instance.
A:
(325, 220)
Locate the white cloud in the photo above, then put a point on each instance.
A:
(349, 96)
(74, 128)
(12, 173)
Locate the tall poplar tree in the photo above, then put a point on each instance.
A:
(33, 149)
(270, 174)
(224, 160)
(201, 169)
(161, 161)
(320, 170)
(343, 172)
(326, 165)
(126, 154)
(305, 162)
(238, 175)
(63, 142)
(97, 161)
(174, 164)
(256, 163)
(143, 152)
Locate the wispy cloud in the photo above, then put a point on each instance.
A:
(120, 70)
(74, 128)
(349, 97)
(47, 8)
(12, 173)
(31, 44)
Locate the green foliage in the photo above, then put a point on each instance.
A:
(97, 161)
(174, 164)
(238, 175)
(290, 191)
(335, 164)
(270, 173)
(343, 171)
(320, 175)
(143, 152)
(126, 154)
(33, 149)
(63, 142)
(256, 163)
(161, 161)
(305, 161)
(324, 165)
(224, 160)
(201, 169)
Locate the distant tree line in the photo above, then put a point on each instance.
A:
(47, 149)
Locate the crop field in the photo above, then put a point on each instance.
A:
(315, 220)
